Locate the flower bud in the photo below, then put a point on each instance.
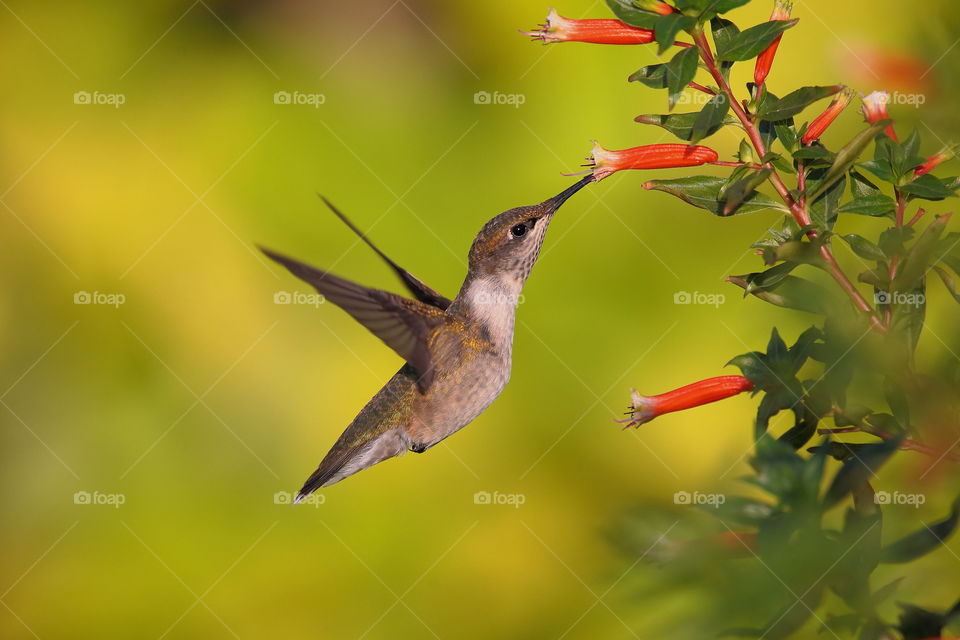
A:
(825, 119)
(935, 160)
(781, 11)
(875, 110)
(655, 6)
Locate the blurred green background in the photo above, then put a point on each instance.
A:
(198, 399)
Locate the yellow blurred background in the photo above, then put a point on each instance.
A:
(181, 389)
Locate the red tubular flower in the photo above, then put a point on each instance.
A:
(597, 31)
(825, 119)
(935, 161)
(781, 11)
(875, 110)
(651, 156)
(646, 408)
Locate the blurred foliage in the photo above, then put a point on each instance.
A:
(198, 398)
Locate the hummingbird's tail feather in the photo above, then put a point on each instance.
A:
(343, 461)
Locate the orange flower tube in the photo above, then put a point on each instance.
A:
(596, 31)
(651, 156)
(646, 408)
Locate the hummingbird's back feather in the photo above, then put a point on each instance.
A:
(420, 290)
(404, 325)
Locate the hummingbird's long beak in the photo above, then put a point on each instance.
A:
(552, 204)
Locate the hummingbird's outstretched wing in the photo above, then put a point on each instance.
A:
(420, 290)
(404, 325)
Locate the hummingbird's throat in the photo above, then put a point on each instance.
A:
(492, 302)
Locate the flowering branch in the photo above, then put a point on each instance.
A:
(797, 209)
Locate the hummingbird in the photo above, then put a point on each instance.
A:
(457, 352)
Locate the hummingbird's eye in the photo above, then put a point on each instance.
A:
(518, 230)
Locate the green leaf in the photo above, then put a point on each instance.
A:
(779, 162)
(859, 469)
(779, 469)
(776, 347)
(680, 71)
(704, 192)
(884, 593)
(838, 450)
(814, 155)
(787, 134)
(691, 5)
(771, 277)
(627, 12)
(848, 155)
(927, 187)
(923, 541)
(894, 239)
(800, 350)
(654, 75)
(919, 624)
(864, 248)
(921, 255)
(948, 282)
(876, 205)
(791, 293)
(753, 366)
(749, 43)
(860, 186)
(710, 118)
(813, 469)
(823, 208)
(669, 26)
(723, 31)
(743, 189)
(723, 6)
(804, 427)
(681, 124)
(795, 102)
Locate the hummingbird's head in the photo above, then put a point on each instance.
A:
(508, 245)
